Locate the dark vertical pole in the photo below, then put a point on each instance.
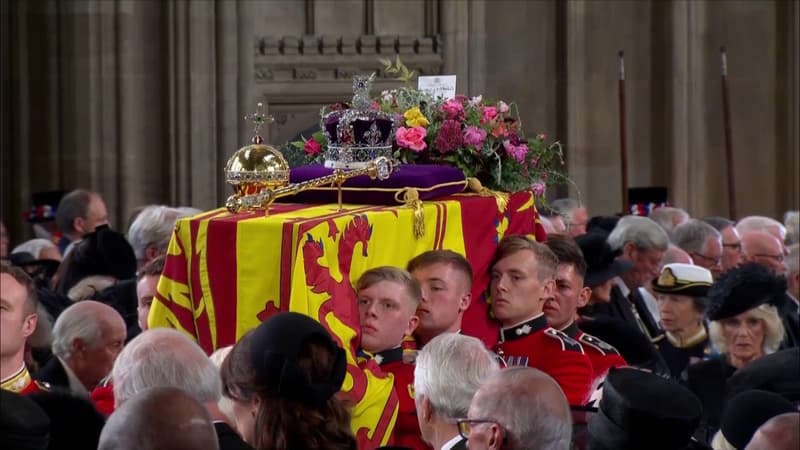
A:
(623, 147)
(726, 111)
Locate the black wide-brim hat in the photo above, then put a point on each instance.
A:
(744, 288)
(641, 410)
(746, 412)
(275, 351)
(601, 261)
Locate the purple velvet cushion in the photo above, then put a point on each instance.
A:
(431, 181)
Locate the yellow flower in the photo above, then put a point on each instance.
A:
(414, 118)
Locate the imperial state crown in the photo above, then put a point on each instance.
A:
(359, 134)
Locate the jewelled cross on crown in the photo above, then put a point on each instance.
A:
(259, 118)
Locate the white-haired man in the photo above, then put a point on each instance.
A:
(763, 223)
(702, 242)
(518, 408)
(449, 369)
(150, 232)
(641, 242)
(731, 241)
(163, 357)
(87, 337)
(790, 310)
(668, 217)
(573, 214)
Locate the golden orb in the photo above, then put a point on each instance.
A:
(256, 167)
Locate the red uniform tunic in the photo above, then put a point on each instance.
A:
(535, 344)
(22, 383)
(602, 355)
(406, 429)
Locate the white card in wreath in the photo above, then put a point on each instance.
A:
(439, 86)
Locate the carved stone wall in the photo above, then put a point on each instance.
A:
(143, 100)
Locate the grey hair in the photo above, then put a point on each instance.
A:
(34, 247)
(529, 415)
(449, 370)
(641, 231)
(73, 323)
(71, 206)
(692, 235)
(153, 226)
(165, 357)
(565, 207)
(793, 260)
(665, 216)
(792, 222)
(759, 223)
(774, 332)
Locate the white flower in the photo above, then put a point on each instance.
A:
(474, 101)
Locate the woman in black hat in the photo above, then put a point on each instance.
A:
(744, 327)
(283, 378)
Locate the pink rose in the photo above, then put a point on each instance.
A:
(312, 147)
(474, 136)
(489, 114)
(517, 151)
(538, 189)
(412, 138)
(452, 108)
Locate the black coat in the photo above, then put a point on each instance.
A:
(54, 374)
(708, 381)
(789, 316)
(228, 438)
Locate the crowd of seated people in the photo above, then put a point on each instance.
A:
(668, 332)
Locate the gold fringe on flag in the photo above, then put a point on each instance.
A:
(500, 197)
(410, 197)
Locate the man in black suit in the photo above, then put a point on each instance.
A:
(449, 369)
(87, 337)
(166, 357)
(641, 242)
(790, 310)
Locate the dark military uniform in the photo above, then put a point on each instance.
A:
(534, 344)
(680, 355)
(602, 355)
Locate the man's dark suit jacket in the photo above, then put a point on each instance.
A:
(790, 319)
(620, 308)
(53, 373)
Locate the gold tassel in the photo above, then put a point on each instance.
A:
(500, 197)
(410, 197)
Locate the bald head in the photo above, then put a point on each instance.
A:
(763, 248)
(779, 433)
(675, 254)
(529, 406)
(161, 418)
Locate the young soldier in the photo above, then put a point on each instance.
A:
(446, 281)
(522, 274)
(387, 300)
(18, 320)
(570, 294)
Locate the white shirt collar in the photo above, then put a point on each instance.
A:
(622, 286)
(452, 442)
(75, 385)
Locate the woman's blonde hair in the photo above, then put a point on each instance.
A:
(773, 330)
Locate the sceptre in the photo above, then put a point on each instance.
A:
(623, 151)
(726, 114)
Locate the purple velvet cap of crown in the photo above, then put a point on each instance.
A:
(361, 125)
(445, 180)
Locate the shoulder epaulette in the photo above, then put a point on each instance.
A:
(42, 385)
(600, 345)
(567, 343)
